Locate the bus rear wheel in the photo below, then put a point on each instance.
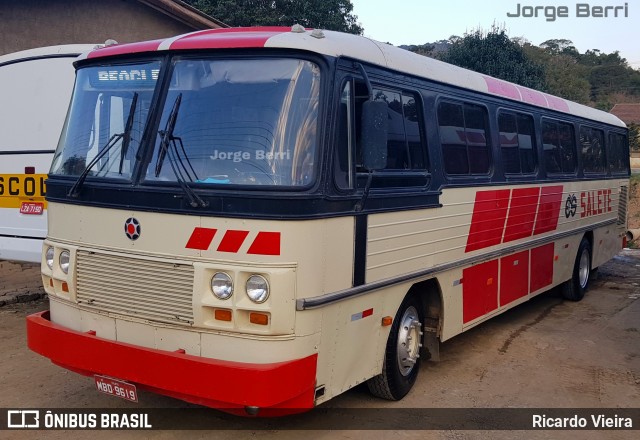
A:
(402, 355)
(575, 288)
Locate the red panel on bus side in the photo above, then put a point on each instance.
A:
(549, 209)
(487, 221)
(479, 290)
(514, 277)
(542, 266)
(522, 213)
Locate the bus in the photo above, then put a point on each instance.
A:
(259, 219)
(35, 87)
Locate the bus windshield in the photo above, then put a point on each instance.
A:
(224, 122)
(106, 121)
(238, 122)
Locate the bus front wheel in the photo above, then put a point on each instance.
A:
(402, 355)
(575, 288)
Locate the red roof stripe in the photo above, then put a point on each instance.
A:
(122, 49)
(227, 38)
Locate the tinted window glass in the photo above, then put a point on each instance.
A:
(559, 147)
(592, 145)
(618, 153)
(463, 138)
(517, 143)
(405, 149)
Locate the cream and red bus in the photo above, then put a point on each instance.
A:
(264, 218)
(35, 88)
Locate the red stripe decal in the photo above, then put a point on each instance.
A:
(487, 221)
(201, 238)
(522, 213)
(266, 243)
(549, 209)
(514, 277)
(232, 241)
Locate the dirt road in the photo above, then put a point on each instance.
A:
(547, 353)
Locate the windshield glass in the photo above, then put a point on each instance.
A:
(107, 115)
(238, 122)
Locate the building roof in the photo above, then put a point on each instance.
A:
(629, 113)
(361, 48)
(184, 13)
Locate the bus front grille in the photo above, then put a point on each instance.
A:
(142, 288)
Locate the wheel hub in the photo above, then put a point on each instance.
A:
(409, 341)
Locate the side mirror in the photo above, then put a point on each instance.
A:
(374, 135)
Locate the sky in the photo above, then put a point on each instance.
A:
(425, 21)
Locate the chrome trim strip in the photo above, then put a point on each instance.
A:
(329, 298)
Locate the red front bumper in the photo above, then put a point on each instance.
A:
(219, 384)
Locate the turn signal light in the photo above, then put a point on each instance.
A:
(387, 321)
(259, 318)
(222, 315)
(65, 287)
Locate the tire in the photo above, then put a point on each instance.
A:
(402, 354)
(575, 288)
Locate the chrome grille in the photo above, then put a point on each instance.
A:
(149, 289)
(622, 206)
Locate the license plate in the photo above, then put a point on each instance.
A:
(115, 387)
(32, 208)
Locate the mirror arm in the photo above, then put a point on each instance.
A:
(366, 80)
(365, 193)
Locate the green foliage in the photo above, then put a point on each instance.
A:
(324, 14)
(493, 53)
(634, 137)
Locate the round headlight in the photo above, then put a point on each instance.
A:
(257, 289)
(221, 285)
(49, 257)
(64, 261)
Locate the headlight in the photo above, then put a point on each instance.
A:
(49, 257)
(64, 261)
(257, 289)
(221, 285)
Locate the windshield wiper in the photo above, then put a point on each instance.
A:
(167, 139)
(126, 140)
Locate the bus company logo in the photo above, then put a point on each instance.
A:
(132, 228)
(571, 206)
(23, 419)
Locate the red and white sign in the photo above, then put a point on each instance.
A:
(32, 208)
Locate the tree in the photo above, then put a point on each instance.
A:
(493, 53)
(336, 15)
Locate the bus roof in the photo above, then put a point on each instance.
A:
(360, 48)
(43, 52)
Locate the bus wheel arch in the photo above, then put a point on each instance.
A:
(418, 314)
(575, 287)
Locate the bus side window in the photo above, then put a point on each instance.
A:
(617, 153)
(517, 143)
(559, 147)
(343, 162)
(592, 143)
(464, 138)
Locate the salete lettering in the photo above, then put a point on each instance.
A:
(595, 202)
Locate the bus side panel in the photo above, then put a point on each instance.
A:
(35, 96)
